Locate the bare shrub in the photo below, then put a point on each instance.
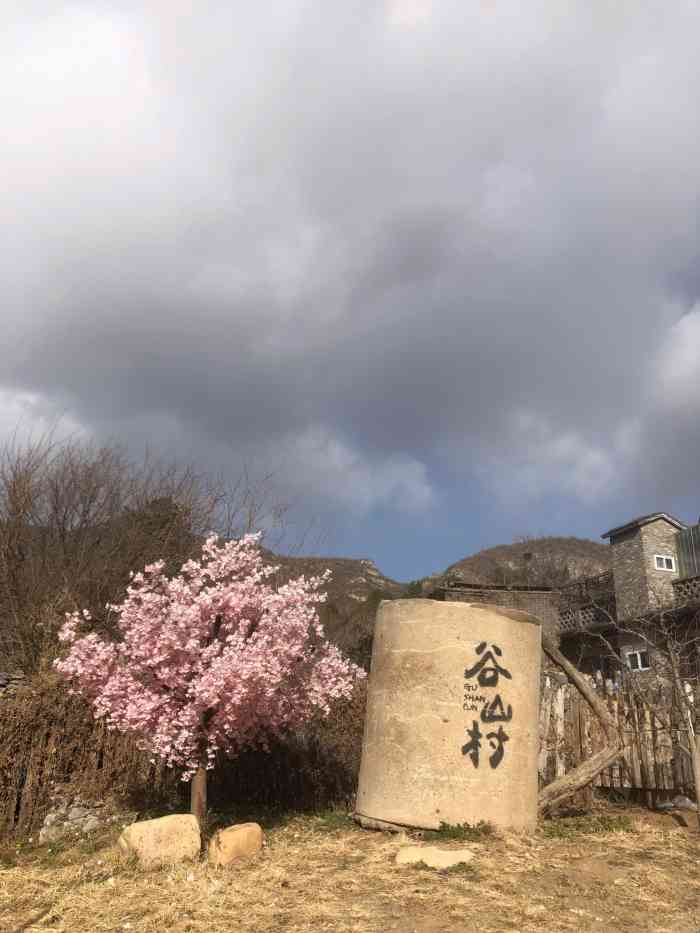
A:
(316, 768)
(669, 684)
(77, 518)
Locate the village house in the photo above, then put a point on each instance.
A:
(655, 570)
(655, 567)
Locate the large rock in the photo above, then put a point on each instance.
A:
(164, 841)
(233, 843)
(77, 813)
(684, 803)
(433, 857)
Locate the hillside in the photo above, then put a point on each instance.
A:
(551, 561)
(353, 580)
(354, 592)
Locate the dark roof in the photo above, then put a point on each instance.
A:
(644, 520)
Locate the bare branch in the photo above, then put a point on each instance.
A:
(76, 518)
(581, 776)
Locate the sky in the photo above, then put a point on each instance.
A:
(433, 263)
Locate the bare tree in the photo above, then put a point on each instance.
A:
(76, 518)
(538, 566)
(667, 638)
(587, 771)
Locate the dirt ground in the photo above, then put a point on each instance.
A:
(615, 870)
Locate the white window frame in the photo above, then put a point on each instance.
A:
(638, 654)
(664, 558)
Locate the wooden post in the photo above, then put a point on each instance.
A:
(545, 712)
(584, 724)
(695, 751)
(559, 732)
(694, 743)
(687, 706)
(641, 768)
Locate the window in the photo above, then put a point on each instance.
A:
(638, 660)
(664, 562)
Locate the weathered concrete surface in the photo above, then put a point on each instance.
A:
(420, 766)
(433, 857)
(164, 841)
(235, 842)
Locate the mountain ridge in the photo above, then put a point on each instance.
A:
(549, 561)
(357, 586)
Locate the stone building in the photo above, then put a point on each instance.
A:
(655, 562)
(644, 563)
(655, 567)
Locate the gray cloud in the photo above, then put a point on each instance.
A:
(378, 243)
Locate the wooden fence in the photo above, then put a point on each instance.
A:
(653, 768)
(49, 741)
(48, 738)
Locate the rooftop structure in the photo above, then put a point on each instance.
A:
(644, 520)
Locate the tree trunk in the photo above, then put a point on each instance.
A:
(584, 688)
(577, 779)
(198, 796)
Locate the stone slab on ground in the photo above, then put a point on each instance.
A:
(433, 856)
(163, 841)
(241, 841)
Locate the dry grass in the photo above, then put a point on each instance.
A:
(322, 874)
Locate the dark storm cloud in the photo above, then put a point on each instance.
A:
(373, 242)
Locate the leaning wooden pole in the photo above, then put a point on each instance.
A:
(588, 770)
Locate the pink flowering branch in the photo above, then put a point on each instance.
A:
(211, 660)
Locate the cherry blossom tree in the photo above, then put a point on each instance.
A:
(212, 660)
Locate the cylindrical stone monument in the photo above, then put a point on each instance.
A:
(451, 731)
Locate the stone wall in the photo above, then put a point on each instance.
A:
(72, 816)
(629, 572)
(639, 586)
(10, 683)
(659, 538)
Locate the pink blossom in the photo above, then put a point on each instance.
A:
(211, 660)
